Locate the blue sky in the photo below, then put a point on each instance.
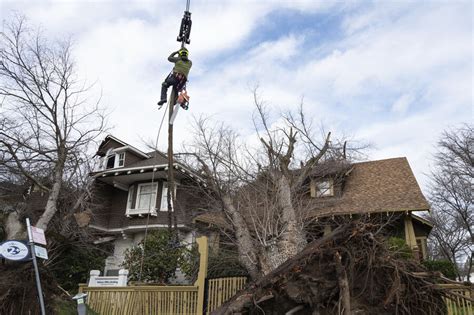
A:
(392, 73)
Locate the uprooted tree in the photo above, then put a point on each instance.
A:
(258, 189)
(48, 120)
(452, 198)
(350, 271)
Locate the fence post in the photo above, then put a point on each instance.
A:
(202, 275)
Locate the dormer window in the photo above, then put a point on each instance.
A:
(322, 188)
(114, 159)
(120, 159)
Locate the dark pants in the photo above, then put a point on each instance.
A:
(178, 81)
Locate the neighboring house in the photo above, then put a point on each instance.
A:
(383, 189)
(131, 191)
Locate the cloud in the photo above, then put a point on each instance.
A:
(392, 73)
(402, 103)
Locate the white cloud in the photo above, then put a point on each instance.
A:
(402, 103)
(399, 73)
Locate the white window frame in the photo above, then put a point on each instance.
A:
(152, 207)
(117, 159)
(164, 197)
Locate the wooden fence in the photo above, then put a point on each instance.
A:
(139, 300)
(459, 299)
(222, 289)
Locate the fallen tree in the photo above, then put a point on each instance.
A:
(350, 271)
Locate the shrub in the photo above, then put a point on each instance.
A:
(446, 267)
(160, 260)
(399, 247)
(225, 263)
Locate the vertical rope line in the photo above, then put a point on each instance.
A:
(149, 203)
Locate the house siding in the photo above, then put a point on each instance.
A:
(111, 144)
(131, 158)
(114, 204)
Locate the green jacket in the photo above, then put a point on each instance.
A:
(180, 65)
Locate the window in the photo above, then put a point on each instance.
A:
(114, 160)
(131, 190)
(324, 188)
(145, 200)
(121, 159)
(110, 161)
(146, 196)
(164, 198)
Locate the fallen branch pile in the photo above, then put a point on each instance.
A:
(350, 271)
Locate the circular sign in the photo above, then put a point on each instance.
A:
(14, 250)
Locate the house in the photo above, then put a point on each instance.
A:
(386, 189)
(131, 188)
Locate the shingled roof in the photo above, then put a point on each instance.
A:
(370, 187)
(378, 186)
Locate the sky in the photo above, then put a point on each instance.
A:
(394, 74)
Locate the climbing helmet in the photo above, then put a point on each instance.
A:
(183, 52)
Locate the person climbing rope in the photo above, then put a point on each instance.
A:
(178, 77)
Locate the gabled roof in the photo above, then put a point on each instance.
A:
(124, 146)
(370, 187)
(377, 186)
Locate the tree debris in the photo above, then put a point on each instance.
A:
(350, 271)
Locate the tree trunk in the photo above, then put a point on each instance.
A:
(293, 239)
(52, 203)
(246, 248)
(13, 227)
(344, 293)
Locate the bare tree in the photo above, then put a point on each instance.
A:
(451, 194)
(259, 188)
(48, 120)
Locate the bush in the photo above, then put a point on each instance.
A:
(399, 248)
(160, 260)
(225, 263)
(446, 267)
(75, 263)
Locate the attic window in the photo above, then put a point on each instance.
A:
(121, 159)
(115, 160)
(322, 188)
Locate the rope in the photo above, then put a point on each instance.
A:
(149, 203)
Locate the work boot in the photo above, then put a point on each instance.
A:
(164, 89)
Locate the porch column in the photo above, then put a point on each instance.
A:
(410, 233)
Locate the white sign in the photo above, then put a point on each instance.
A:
(41, 252)
(38, 235)
(96, 280)
(14, 250)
